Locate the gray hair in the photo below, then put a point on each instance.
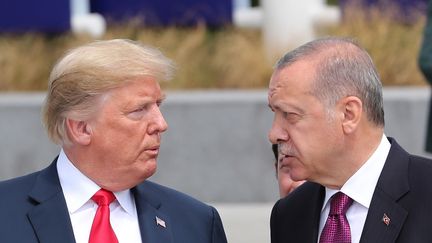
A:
(80, 79)
(343, 68)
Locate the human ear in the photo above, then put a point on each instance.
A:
(79, 131)
(352, 110)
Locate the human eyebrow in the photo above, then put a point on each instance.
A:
(289, 107)
(161, 99)
(138, 105)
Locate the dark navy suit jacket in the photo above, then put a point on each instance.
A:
(403, 193)
(33, 209)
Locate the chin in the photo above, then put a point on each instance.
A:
(148, 170)
(296, 178)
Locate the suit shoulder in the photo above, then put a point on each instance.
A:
(423, 161)
(420, 168)
(17, 191)
(18, 184)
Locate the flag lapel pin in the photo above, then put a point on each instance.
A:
(386, 219)
(160, 222)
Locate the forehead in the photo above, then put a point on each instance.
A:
(132, 91)
(296, 78)
(144, 86)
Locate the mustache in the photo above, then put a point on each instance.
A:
(286, 150)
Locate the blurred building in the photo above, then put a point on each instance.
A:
(53, 16)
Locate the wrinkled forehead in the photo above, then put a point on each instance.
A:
(272, 92)
(299, 75)
(275, 83)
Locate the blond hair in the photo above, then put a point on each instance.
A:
(84, 74)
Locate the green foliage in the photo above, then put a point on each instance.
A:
(333, 2)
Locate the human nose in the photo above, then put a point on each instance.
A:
(158, 124)
(277, 134)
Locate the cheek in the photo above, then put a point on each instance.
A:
(317, 137)
(129, 131)
(118, 140)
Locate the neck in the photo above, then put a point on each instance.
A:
(104, 178)
(358, 148)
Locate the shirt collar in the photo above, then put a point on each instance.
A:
(78, 188)
(361, 186)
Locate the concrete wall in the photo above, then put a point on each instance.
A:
(216, 147)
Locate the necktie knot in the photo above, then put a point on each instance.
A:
(103, 197)
(339, 204)
(337, 228)
(101, 231)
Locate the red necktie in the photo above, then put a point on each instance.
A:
(337, 228)
(101, 231)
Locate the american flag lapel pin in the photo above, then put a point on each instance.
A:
(386, 219)
(160, 222)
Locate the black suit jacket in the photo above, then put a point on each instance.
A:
(403, 193)
(33, 209)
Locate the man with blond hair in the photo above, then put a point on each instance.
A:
(102, 108)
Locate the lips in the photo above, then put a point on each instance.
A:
(156, 147)
(283, 163)
(153, 150)
(285, 160)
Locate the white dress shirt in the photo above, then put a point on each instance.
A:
(78, 190)
(360, 187)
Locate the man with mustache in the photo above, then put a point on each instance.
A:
(102, 108)
(326, 96)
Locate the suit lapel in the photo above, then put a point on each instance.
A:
(316, 212)
(375, 229)
(392, 185)
(300, 221)
(49, 217)
(155, 226)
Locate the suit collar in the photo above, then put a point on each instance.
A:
(49, 217)
(301, 213)
(47, 184)
(155, 225)
(394, 177)
(392, 185)
(316, 211)
(305, 203)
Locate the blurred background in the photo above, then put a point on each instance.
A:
(216, 148)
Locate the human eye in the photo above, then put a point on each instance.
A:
(138, 112)
(140, 109)
(291, 117)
